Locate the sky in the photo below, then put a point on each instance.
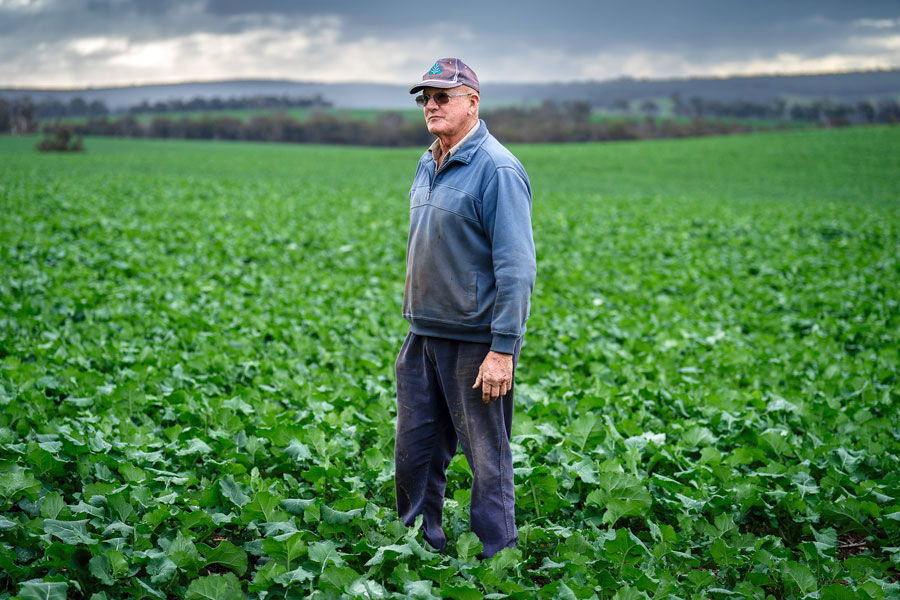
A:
(97, 43)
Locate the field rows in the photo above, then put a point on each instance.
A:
(196, 373)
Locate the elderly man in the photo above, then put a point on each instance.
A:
(470, 270)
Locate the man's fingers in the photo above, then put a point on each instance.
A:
(488, 392)
(477, 380)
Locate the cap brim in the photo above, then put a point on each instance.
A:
(435, 83)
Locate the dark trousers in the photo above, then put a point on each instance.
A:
(436, 409)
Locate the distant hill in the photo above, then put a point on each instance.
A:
(845, 87)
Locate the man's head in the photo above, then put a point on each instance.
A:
(449, 113)
(449, 95)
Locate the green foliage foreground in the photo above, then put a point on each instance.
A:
(196, 353)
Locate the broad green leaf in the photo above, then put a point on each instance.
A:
(798, 575)
(561, 591)
(877, 591)
(265, 577)
(44, 462)
(83, 508)
(538, 490)
(52, 505)
(79, 402)
(118, 562)
(724, 524)
(132, 474)
(586, 471)
(459, 464)
(195, 446)
(336, 517)
(367, 588)
(662, 533)
(777, 440)
(264, 506)
(122, 508)
(288, 546)
(16, 482)
(325, 552)
(745, 456)
(722, 553)
(151, 591)
(579, 432)
(417, 549)
(41, 590)
(621, 495)
(698, 436)
(419, 590)
(70, 532)
(233, 491)
(337, 578)
(298, 450)
(849, 510)
(624, 548)
(225, 554)
(628, 593)
(161, 569)
(183, 553)
(215, 587)
(461, 591)
(506, 559)
(100, 568)
(296, 506)
(468, 546)
(298, 575)
(393, 549)
(439, 573)
(826, 540)
(97, 444)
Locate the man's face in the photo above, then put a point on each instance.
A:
(448, 119)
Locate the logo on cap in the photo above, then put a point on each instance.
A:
(435, 70)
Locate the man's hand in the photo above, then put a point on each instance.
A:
(495, 376)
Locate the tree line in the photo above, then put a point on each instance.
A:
(22, 114)
(547, 122)
(820, 110)
(200, 104)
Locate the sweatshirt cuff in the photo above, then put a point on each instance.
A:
(504, 344)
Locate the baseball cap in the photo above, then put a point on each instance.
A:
(447, 73)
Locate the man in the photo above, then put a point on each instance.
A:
(470, 270)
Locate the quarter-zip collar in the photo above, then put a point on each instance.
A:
(446, 156)
(463, 151)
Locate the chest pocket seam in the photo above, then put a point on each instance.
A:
(446, 210)
(451, 199)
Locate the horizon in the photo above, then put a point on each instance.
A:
(497, 83)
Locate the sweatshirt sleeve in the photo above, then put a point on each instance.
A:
(507, 221)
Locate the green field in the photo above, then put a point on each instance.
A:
(196, 373)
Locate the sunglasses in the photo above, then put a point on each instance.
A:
(441, 98)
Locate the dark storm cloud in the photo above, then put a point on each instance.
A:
(564, 39)
(658, 23)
